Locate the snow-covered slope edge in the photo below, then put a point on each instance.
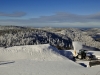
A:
(36, 60)
(34, 52)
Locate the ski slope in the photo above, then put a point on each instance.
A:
(39, 60)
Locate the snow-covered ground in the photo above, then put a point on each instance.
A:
(40, 60)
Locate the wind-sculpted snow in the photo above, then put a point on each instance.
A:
(33, 52)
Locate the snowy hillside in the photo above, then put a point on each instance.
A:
(88, 36)
(39, 60)
(59, 37)
(34, 52)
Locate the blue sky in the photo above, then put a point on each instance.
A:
(53, 13)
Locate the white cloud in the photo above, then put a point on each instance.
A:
(58, 20)
(15, 14)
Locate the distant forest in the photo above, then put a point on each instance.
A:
(61, 38)
(17, 37)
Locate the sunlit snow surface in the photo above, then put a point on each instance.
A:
(39, 60)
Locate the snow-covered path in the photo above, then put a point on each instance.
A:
(39, 60)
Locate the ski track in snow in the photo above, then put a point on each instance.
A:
(39, 60)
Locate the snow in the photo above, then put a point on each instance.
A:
(77, 45)
(38, 52)
(96, 53)
(40, 60)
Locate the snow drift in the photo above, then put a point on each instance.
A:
(34, 52)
